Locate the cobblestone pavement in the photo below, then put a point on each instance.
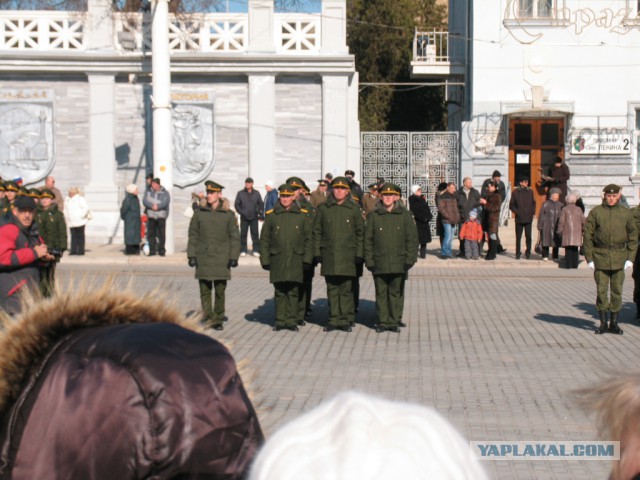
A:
(496, 347)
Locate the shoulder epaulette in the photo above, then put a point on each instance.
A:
(269, 211)
(303, 210)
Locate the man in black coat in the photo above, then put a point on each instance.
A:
(249, 206)
(523, 205)
(468, 198)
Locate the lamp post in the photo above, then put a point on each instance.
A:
(161, 104)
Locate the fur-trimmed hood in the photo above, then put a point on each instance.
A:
(25, 340)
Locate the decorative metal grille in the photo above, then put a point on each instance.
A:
(405, 158)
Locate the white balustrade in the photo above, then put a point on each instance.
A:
(30, 30)
(431, 47)
(297, 33)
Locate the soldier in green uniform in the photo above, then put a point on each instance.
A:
(636, 265)
(287, 252)
(390, 250)
(338, 245)
(11, 191)
(304, 296)
(213, 248)
(359, 265)
(53, 230)
(610, 244)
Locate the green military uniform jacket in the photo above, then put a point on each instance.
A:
(338, 237)
(5, 206)
(52, 227)
(390, 240)
(286, 243)
(214, 239)
(610, 237)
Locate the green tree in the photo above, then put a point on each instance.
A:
(380, 35)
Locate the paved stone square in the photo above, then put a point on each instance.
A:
(496, 347)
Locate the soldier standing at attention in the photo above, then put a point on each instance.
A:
(390, 250)
(338, 246)
(287, 252)
(213, 248)
(610, 244)
(320, 194)
(304, 295)
(53, 230)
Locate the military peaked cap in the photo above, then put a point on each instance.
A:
(341, 182)
(390, 189)
(372, 185)
(322, 183)
(46, 193)
(287, 190)
(11, 186)
(35, 193)
(612, 188)
(295, 182)
(213, 186)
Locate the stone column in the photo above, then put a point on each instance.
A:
(334, 124)
(101, 192)
(162, 135)
(334, 26)
(262, 138)
(261, 31)
(353, 126)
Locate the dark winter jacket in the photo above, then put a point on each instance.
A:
(19, 265)
(270, 201)
(423, 216)
(492, 212)
(338, 237)
(390, 241)
(214, 239)
(448, 208)
(130, 214)
(103, 384)
(286, 243)
(500, 188)
(161, 198)
(467, 203)
(558, 178)
(523, 204)
(249, 204)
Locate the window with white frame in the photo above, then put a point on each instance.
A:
(535, 9)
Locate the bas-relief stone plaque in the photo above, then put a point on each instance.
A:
(26, 134)
(193, 137)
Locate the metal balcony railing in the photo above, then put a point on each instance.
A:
(431, 47)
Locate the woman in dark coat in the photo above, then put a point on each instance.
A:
(130, 214)
(570, 229)
(422, 215)
(103, 384)
(492, 205)
(442, 186)
(548, 224)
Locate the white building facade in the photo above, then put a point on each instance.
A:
(544, 78)
(260, 94)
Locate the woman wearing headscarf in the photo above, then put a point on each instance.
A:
(130, 214)
(548, 224)
(422, 215)
(570, 229)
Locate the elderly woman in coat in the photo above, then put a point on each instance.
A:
(492, 205)
(570, 228)
(422, 215)
(548, 224)
(130, 214)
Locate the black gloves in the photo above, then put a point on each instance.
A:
(307, 266)
(233, 263)
(266, 267)
(193, 262)
(317, 260)
(407, 267)
(359, 260)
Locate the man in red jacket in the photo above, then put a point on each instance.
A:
(21, 250)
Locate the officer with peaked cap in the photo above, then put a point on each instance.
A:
(390, 250)
(610, 244)
(337, 244)
(287, 252)
(53, 229)
(213, 248)
(320, 194)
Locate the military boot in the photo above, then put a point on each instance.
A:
(613, 326)
(423, 251)
(603, 324)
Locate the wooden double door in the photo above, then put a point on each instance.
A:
(533, 146)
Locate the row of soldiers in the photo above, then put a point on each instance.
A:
(296, 237)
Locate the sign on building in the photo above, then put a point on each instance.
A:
(593, 143)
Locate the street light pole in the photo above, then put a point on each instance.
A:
(161, 103)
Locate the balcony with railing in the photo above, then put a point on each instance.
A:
(431, 56)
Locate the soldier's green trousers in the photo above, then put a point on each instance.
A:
(340, 296)
(304, 293)
(389, 298)
(47, 279)
(213, 316)
(609, 281)
(287, 303)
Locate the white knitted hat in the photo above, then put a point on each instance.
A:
(357, 436)
(415, 188)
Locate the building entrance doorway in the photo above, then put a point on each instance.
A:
(533, 145)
